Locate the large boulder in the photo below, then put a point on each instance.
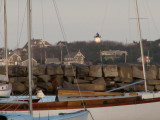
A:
(19, 87)
(95, 71)
(17, 71)
(153, 82)
(117, 79)
(151, 72)
(158, 72)
(2, 70)
(99, 81)
(44, 78)
(70, 79)
(39, 70)
(124, 80)
(89, 78)
(34, 81)
(54, 70)
(50, 87)
(127, 80)
(18, 79)
(137, 71)
(80, 81)
(68, 85)
(82, 71)
(69, 70)
(57, 82)
(125, 72)
(110, 70)
(45, 86)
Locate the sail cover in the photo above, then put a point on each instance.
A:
(3, 78)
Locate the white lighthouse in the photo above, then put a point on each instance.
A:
(97, 38)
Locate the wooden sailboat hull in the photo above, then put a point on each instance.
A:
(105, 109)
(5, 90)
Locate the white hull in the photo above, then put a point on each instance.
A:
(146, 111)
(5, 90)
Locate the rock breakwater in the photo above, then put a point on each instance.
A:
(95, 77)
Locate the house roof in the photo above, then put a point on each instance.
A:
(13, 54)
(73, 54)
(61, 43)
(36, 42)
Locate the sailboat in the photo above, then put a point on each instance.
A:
(5, 86)
(78, 115)
(105, 106)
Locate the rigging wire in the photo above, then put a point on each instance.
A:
(1, 9)
(59, 20)
(5, 108)
(148, 23)
(145, 18)
(154, 23)
(22, 25)
(65, 38)
(42, 19)
(2, 37)
(129, 26)
(43, 30)
(104, 18)
(17, 23)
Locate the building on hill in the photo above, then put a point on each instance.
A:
(113, 53)
(74, 57)
(39, 43)
(25, 62)
(146, 59)
(19, 51)
(61, 43)
(1, 53)
(14, 59)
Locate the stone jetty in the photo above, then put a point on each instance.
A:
(94, 77)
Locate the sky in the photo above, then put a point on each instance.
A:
(114, 20)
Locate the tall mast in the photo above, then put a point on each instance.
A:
(29, 55)
(141, 46)
(5, 35)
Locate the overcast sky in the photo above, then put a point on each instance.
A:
(82, 19)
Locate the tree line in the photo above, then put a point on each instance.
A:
(91, 51)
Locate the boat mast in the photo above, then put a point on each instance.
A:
(141, 46)
(5, 35)
(29, 55)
